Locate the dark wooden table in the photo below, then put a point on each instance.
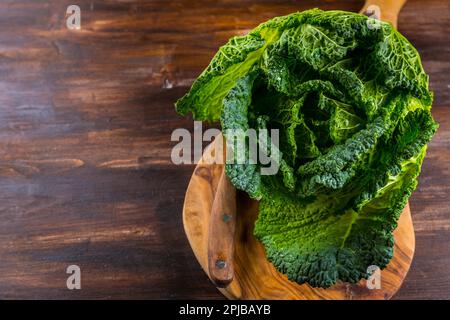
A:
(85, 124)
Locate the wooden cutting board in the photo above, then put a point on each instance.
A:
(254, 276)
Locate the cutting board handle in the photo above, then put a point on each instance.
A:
(388, 9)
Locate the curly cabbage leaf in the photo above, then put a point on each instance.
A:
(352, 105)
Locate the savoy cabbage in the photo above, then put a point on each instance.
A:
(352, 105)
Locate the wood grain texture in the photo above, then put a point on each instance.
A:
(254, 276)
(85, 124)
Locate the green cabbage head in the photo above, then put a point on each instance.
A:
(351, 101)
